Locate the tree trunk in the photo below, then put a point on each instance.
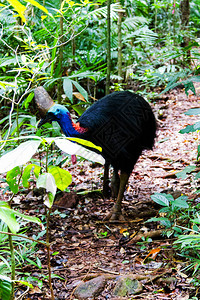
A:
(185, 16)
(108, 48)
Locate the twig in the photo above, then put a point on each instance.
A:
(22, 295)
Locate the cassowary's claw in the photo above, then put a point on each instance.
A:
(117, 217)
(114, 216)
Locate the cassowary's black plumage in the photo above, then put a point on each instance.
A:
(122, 123)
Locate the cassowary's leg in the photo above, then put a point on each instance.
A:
(116, 211)
(106, 180)
(115, 181)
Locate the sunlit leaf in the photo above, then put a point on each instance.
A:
(68, 89)
(8, 217)
(47, 182)
(72, 148)
(36, 4)
(19, 8)
(12, 179)
(19, 156)
(62, 177)
(27, 218)
(85, 143)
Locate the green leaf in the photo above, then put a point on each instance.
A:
(197, 176)
(71, 148)
(25, 283)
(62, 177)
(81, 89)
(78, 108)
(28, 100)
(198, 152)
(187, 129)
(12, 179)
(183, 174)
(47, 181)
(8, 217)
(19, 156)
(180, 202)
(27, 173)
(36, 4)
(68, 89)
(161, 199)
(193, 111)
(85, 143)
(189, 86)
(164, 221)
(5, 287)
(27, 218)
(48, 199)
(19, 8)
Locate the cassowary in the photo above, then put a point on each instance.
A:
(122, 123)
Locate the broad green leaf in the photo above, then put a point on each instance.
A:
(193, 111)
(48, 200)
(165, 210)
(183, 174)
(12, 179)
(179, 202)
(27, 173)
(8, 217)
(19, 156)
(37, 170)
(5, 287)
(72, 148)
(62, 177)
(47, 181)
(68, 89)
(187, 129)
(85, 143)
(164, 221)
(161, 199)
(27, 218)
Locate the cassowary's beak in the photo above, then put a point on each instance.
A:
(44, 103)
(44, 120)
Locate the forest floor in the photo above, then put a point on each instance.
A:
(87, 248)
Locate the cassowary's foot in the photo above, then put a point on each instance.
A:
(115, 215)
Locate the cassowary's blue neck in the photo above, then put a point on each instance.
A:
(69, 128)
